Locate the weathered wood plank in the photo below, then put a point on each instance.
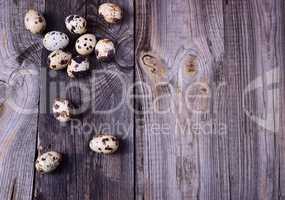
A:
(181, 44)
(254, 46)
(114, 175)
(84, 174)
(280, 139)
(198, 109)
(19, 57)
(229, 153)
(51, 134)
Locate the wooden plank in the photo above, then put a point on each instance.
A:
(114, 175)
(84, 174)
(231, 44)
(51, 134)
(215, 48)
(181, 44)
(19, 57)
(280, 139)
(254, 46)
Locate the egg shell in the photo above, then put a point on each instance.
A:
(112, 13)
(76, 24)
(85, 44)
(62, 110)
(105, 50)
(78, 67)
(35, 22)
(48, 162)
(58, 59)
(105, 144)
(55, 40)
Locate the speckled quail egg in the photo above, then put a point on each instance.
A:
(85, 44)
(112, 13)
(35, 22)
(79, 66)
(48, 162)
(62, 110)
(76, 24)
(105, 144)
(58, 59)
(55, 40)
(105, 49)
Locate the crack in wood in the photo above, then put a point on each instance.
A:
(14, 191)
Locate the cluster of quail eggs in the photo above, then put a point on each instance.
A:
(77, 66)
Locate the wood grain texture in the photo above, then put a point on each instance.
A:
(19, 57)
(102, 108)
(205, 119)
(114, 175)
(254, 61)
(63, 184)
(167, 166)
(225, 59)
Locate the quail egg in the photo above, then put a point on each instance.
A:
(105, 144)
(35, 22)
(85, 44)
(58, 59)
(48, 162)
(55, 40)
(76, 24)
(105, 49)
(112, 13)
(79, 66)
(62, 110)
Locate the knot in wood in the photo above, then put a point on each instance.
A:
(190, 65)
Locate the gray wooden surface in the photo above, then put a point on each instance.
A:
(204, 119)
(209, 52)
